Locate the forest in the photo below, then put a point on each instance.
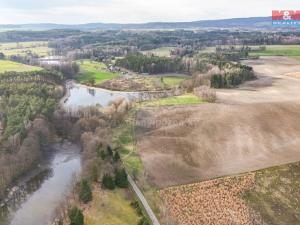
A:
(27, 103)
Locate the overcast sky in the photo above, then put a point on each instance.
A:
(134, 11)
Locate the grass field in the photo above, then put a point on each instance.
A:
(7, 66)
(111, 208)
(22, 48)
(271, 50)
(162, 52)
(91, 70)
(276, 195)
(279, 50)
(186, 99)
(172, 81)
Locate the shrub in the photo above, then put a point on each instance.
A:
(76, 216)
(109, 150)
(137, 207)
(121, 178)
(116, 157)
(108, 182)
(85, 193)
(102, 154)
(143, 221)
(205, 93)
(94, 172)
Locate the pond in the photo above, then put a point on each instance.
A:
(82, 96)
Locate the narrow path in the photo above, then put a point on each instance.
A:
(142, 199)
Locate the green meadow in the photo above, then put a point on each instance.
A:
(91, 71)
(7, 66)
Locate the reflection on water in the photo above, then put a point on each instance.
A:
(81, 96)
(21, 194)
(43, 193)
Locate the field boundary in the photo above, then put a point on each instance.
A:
(143, 200)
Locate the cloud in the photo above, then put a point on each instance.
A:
(133, 11)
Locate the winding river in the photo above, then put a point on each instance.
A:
(36, 198)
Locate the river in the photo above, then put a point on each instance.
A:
(39, 197)
(38, 194)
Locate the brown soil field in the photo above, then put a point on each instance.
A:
(211, 201)
(273, 195)
(252, 127)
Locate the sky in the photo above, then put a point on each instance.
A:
(134, 11)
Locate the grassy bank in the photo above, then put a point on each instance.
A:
(186, 99)
(7, 66)
(111, 208)
(91, 71)
(125, 138)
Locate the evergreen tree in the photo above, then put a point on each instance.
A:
(85, 193)
(94, 173)
(108, 182)
(116, 157)
(121, 179)
(109, 150)
(76, 216)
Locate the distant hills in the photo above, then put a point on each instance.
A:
(239, 23)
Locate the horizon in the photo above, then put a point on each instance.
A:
(137, 23)
(72, 12)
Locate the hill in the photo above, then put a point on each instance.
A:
(244, 23)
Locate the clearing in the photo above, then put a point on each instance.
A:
(144, 82)
(92, 71)
(161, 52)
(9, 66)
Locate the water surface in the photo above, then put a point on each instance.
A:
(38, 208)
(82, 96)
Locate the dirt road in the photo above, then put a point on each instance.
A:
(252, 127)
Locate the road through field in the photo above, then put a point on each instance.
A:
(252, 127)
